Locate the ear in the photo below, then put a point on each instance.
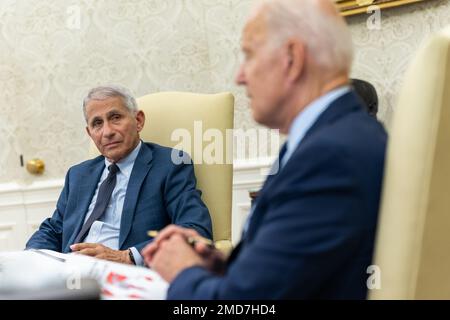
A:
(295, 59)
(140, 120)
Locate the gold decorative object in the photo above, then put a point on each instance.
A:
(352, 7)
(36, 166)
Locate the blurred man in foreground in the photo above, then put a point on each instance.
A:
(311, 232)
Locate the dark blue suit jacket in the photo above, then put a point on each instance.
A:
(158, 193)
(312, 231)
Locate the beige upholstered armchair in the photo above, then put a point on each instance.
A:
(168, 111)
(413, 241)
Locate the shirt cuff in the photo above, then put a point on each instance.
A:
(137, 257)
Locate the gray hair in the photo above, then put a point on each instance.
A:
(111, 91)
(326, 37)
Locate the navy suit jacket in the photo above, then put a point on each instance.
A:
(158, 193)
(311, 235)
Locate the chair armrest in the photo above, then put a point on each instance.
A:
(224, 246)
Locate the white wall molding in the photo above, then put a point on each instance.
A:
(23, 208)
(37, 192)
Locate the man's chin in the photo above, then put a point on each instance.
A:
(112, 156)
(259, 118)
(264, 120)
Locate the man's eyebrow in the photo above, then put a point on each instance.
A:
(112, 113)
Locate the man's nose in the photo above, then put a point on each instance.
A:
(108, 131)
(240, 76)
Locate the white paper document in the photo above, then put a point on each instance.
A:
(38, 269)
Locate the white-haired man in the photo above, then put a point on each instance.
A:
(311, 231)
(109, 203)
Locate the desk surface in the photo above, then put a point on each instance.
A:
(88, 290)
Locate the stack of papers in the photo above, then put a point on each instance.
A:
(41, 269)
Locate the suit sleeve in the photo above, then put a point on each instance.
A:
(49, 234)
(142, 245)
(308, 232)
(183, 201)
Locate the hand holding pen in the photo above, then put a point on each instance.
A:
(160, 236)
(203, 252)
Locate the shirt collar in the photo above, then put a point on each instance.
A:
(126, 164)
(306, 118)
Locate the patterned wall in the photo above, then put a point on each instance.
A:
(382, 56)
(52, 52)
(48, 62)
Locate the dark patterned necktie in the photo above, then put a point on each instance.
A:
(103, 197)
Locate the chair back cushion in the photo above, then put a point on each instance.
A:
(413, 239)
(173, 116)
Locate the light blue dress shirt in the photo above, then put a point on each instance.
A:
(106, 231)
(300, 126)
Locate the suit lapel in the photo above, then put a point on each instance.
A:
(85, 193)
(140, 170)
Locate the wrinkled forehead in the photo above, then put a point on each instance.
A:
(103, 106)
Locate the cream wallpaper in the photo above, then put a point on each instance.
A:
(382, 56)
(52, 52)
